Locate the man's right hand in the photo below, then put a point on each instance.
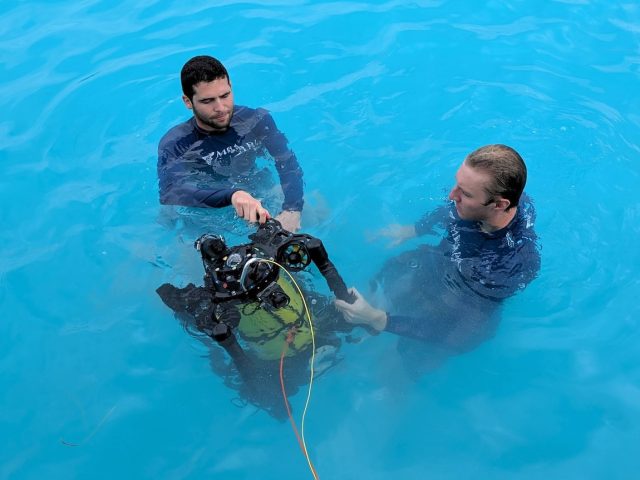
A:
(248, 207)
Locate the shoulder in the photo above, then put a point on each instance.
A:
(246, 119)
(242, 113)
(523, 231)
(524, 224)
(177, 133)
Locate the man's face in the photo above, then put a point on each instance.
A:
(212, 104)
(470, 196)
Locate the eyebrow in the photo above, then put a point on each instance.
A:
(214, 97)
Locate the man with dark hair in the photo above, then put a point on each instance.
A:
(210, 160)
(448, 294)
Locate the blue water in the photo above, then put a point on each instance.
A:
(380, 101)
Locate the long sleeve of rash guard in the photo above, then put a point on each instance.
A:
(286, 164)
(177, 183)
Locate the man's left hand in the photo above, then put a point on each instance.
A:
(361, 312)
(397, 233)
(290, 220)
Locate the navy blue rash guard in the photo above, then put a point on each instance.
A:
(448, 294)
(198, 168)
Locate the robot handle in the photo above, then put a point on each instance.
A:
(328, 270)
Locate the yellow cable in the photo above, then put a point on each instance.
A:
(313, 356)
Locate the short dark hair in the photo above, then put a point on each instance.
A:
(506, 168)
(202, 68)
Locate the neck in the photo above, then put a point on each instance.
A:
(209, 128)
(500, 220)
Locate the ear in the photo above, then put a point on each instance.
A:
(187, 102)
(502, 203)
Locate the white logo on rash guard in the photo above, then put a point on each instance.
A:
(231, 151)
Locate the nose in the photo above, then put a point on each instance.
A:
(453, 194)
(216, 105)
